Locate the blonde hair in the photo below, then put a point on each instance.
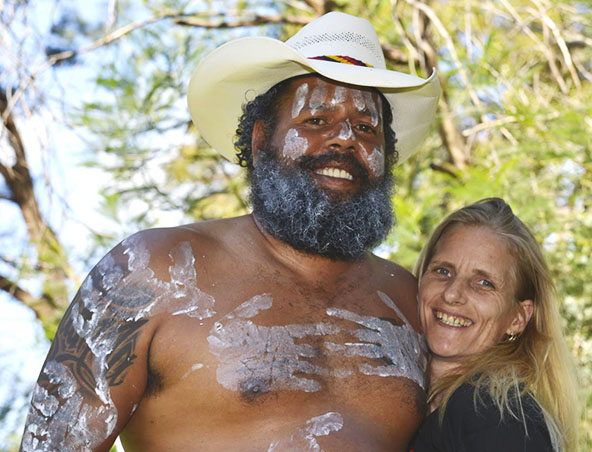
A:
(538, 361)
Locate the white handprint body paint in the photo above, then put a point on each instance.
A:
(304, 439)
(67, 425)
(110, 300)
(257, 359)
(400, 346)
(195, 367)
(299, 99)
(295, 146)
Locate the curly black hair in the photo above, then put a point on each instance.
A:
(264, 107)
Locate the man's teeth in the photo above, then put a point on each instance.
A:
(452, 320)
(334, 172)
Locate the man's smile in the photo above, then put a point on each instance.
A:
(334, 172)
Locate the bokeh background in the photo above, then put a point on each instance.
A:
(96, 141)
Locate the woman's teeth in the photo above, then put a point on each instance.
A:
(334, 172)
(452, 320)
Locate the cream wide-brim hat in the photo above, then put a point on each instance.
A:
(240, 70)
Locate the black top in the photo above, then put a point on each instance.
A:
(465, 429)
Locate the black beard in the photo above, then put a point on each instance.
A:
(291, 207)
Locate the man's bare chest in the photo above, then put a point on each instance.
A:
(274, 354)
(277, 341)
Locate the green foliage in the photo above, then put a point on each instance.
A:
(518, 99)
(516, 77)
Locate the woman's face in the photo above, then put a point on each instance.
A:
(467, 294)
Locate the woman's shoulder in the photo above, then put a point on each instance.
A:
(472, 421)
(483, 424)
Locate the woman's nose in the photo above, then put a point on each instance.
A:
(453, 293)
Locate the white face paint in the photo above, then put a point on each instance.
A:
(359, 100)
(108, 301)
(400, 346)
(295, 146)
(304, 439)
(364, 101)
(257, 359)
(339, 95)
(372, 107)
(317, 98)
(299, 99)
(376, 162)
(346, 132)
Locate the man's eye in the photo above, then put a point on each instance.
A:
(315, 121)
(366, 128)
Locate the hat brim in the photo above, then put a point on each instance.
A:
(240, 70)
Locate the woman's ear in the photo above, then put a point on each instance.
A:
(258, 140)
(523, 315)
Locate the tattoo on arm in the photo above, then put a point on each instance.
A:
(111, 335)
(93, 350)
(123, 356)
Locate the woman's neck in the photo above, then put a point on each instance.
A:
(439, 368)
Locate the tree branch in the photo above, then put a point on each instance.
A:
(18, 177)
(20, 183)
(44, 306)
(545, 19)
(395, 54)
(236, 23)
(320, 7)
(443, 169)
(62, 56)
(449, 43)
(541, 46)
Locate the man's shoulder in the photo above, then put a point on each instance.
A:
(393, 270)
(212, 232)
(399, 284)
(157, 248)
(395, 275)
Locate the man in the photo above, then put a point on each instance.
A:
(276, 331)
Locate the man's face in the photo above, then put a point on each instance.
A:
(335, 127)
(319, 182)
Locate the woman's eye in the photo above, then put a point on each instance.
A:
(442, 271)
(484, 282)
(315, 121)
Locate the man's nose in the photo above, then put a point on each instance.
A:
(342, 136)
(453, 292)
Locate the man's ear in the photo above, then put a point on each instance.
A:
(258, 140)
(523, 315)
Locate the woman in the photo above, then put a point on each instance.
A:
(501, 377)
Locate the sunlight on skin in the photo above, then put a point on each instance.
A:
(109, 306)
